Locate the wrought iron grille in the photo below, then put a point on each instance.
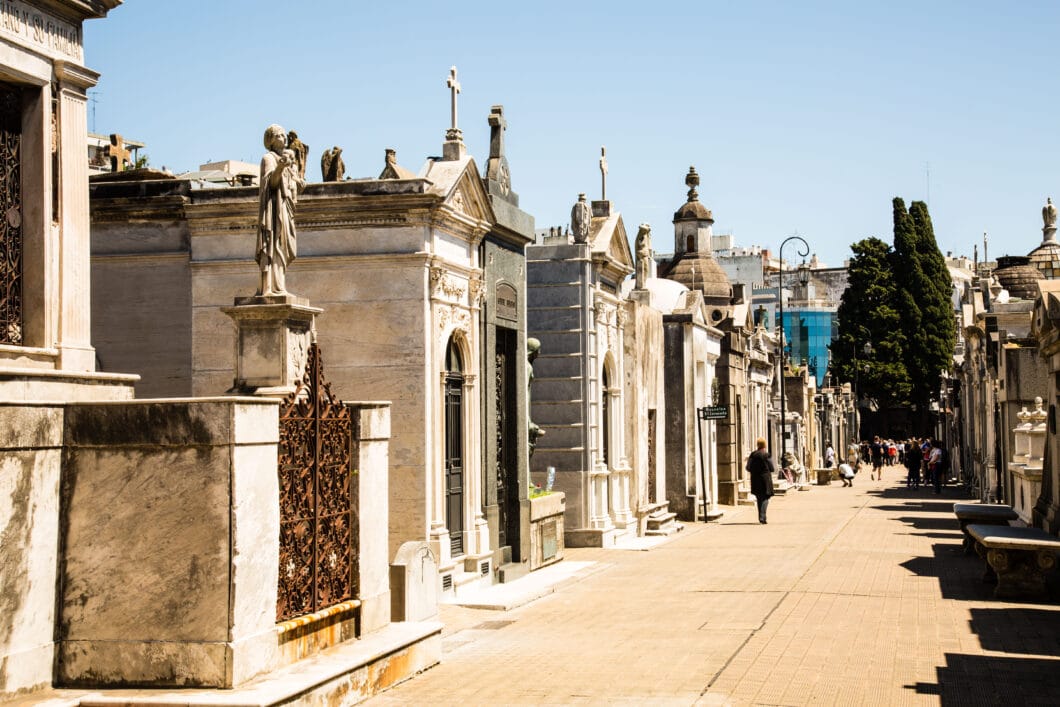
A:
(10, 216)
(318, 509)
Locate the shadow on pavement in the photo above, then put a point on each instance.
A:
(960, 577)
(954, 535)
(1013, 630)
(994, 680)
(922, 523)
(923, 506)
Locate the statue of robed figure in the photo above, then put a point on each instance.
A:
(278, 190)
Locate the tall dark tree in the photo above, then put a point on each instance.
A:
(867, 315)
(923, 277)
(909, 280)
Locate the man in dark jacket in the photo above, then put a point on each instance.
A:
(761, 468)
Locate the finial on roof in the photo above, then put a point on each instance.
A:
(692, 181)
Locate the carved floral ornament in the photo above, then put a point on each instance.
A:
(458, 317)
(444, 284)
(476, 291)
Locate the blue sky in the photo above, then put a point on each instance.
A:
(805, 116)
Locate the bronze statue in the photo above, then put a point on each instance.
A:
(332, 168)
(278, 190)
(580, 216)
(301, 151)
(533, 348)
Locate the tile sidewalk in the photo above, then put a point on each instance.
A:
(849, 596)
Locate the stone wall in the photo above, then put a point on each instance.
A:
(170, 517)
(30, 456)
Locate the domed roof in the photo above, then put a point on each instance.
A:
(1018, 276)
(693, 211)
(1046, 258)
(698, 271)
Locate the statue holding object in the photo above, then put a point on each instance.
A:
(278, 190)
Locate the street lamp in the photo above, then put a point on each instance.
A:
(867, 350)
(783, 364)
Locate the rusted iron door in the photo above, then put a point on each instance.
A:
(10, 216)
(318, 511)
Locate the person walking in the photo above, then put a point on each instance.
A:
(935, 464)
(829, 456)
(877, 458)
(762, 470)
(913, 458)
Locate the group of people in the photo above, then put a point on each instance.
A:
(926, 460)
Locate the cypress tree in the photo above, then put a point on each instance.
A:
(911, 283)
(938, 326)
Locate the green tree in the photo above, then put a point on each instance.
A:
(924, 282)
(867, 315)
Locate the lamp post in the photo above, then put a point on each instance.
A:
(783, 364)
(867, 350)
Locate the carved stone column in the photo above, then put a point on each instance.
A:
(73, 337)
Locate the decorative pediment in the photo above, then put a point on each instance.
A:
(611, 244)
(459, 183)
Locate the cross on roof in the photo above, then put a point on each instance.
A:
(117, 153)
(454, 89)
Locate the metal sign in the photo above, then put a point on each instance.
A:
(714, 412)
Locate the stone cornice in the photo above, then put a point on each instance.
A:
(75, 75)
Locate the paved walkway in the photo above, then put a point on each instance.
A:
(848, 596)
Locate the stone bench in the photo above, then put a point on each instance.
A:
(1018, 556)
(983, 514)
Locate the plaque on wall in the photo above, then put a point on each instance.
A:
(549, 540)
(507, 302)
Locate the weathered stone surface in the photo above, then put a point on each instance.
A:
(414, 583)
(29, 542)
(171, 527)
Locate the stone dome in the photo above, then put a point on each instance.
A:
(693, 211)
(1018, 276)
(698, 271)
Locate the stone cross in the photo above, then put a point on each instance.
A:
(497, 127)
(117, 153)
(454, 89)
(603, 173)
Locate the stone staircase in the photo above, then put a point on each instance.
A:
(657, 519)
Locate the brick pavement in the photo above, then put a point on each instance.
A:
(849, 596)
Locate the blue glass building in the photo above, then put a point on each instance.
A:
(807, 334)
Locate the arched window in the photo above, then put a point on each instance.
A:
(454, 446)
(690, 244)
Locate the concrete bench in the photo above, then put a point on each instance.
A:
(1019, 557)
(983, 514)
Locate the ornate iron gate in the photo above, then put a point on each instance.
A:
(318, 509)
(10, 216)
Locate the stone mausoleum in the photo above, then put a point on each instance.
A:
(420, 277)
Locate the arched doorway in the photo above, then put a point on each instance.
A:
(605, 417)
(454, 447)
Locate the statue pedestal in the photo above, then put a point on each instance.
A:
(272, 344)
